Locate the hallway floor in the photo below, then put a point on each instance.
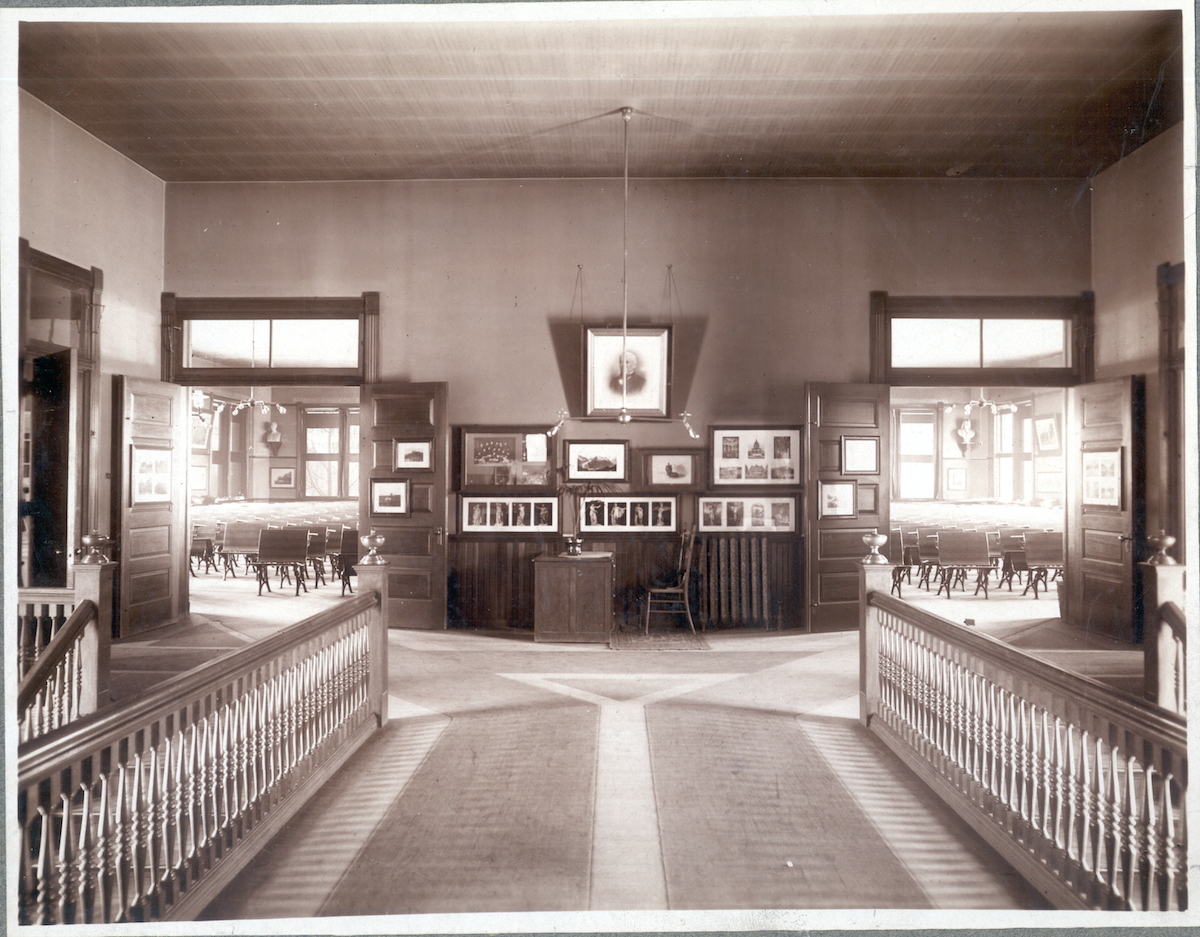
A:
(518, 777)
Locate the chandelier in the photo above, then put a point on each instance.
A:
(248, 402)
(982, 403)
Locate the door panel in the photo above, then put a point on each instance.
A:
(837, 414)
(415, 544)
(149, 504)
(1107, 515)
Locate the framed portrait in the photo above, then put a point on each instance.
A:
(837, 498)
(391, 497)
(283, 478)
(497, 514)
(1102, 478)
(412, 455)
(627, 369)
(504, 457)
(202, 424)
(754, 456)
(767, 514)
(956, 478)
(678, 469)
(149, 474)
(1045, 429)
(597, 460)
(629, 514)
(860, 455)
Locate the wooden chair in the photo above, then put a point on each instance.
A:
(316, 553)
(1012, 555)
(286, 549)
(240, 540)
(201, 553)
(960, 550)
(1043, 553)
(342, 562)
(673, 599)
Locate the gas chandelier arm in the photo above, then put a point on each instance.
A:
(982, 403)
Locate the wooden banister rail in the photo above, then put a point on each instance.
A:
(1172, 616)
(63, 644)
(1164, 642)
(146, 811)
(1172, 657)
(1081, 788)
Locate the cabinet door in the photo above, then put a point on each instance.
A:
(593, 599)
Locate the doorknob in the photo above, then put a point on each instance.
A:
(439, 532)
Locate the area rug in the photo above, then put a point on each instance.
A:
(657, 641)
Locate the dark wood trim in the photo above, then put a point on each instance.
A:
(1001, 377)
(370, 349)
(292, 307)
(881, 339)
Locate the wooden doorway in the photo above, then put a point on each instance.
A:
(1106, 507)
(405, 461)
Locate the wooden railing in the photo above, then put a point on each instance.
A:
(1164, 641)
(1081, 788)
(145, 812)
(63, 639)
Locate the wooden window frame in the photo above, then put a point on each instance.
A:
(178, 309)
(1078, 310)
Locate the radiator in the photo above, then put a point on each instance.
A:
(734, 580)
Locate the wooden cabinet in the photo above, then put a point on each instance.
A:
(573, 597)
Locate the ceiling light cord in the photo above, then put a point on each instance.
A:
(624, 416)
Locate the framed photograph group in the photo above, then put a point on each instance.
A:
(627, 369)
(391, 497)
(1102, 478)
(767, 514)
(755, 456)
(505, 457)
(520, 514)
(677, 469)
(630, 514)
(597, 460)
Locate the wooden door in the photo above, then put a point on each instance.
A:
(847, 491)
(398, 422)
(1106, 507)
(151, 439)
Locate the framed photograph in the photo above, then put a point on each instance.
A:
(149, 475)
(837, 499)
(283, 478)
(500, 457)
(767, 514)
(629, 514)
(860, 455)
(627, 369)
(202, 424)
(495, 514)
(678, 469)
(956, 478)
(412, 455)
(597, 460)
(391, 497)
(1045, 428)
(754, 456)
(1102, 478)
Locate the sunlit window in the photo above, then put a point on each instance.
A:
(330, 452)
(917, 453)
(979, 343)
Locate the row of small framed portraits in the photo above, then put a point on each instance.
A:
(624, 514)
(496, 458)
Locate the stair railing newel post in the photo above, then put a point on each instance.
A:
(372, 572)
(874, 575)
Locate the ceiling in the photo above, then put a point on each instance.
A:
(1059, 94)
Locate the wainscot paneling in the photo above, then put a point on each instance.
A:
(492, 582)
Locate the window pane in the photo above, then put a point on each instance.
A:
(916, 438)
(1028, 343)
(935, 343)
(321, 439)
(916, 480)
(352, 478)
(1004, 478)
(226, 343)
(320, 478)
(352, 430)
(314, 343)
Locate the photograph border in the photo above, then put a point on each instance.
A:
(591, 333)
(793, 430)
(462, 436)
(574, 474)
(404, 484)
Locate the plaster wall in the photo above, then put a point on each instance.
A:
(485, 284)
